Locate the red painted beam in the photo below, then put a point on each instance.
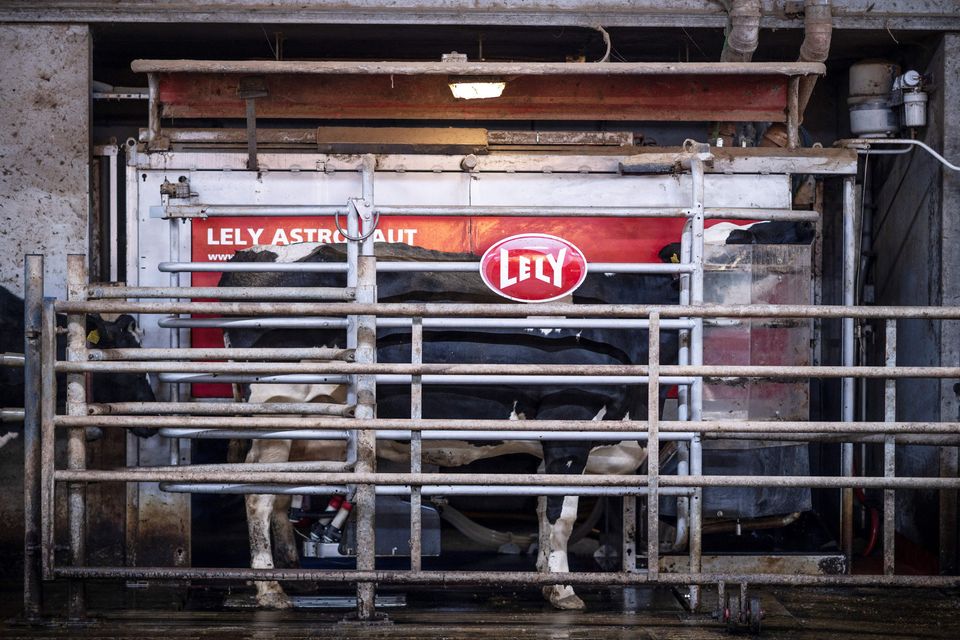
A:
(740, 98)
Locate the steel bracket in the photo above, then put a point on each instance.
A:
(251, 88)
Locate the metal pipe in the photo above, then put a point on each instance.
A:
(696, 359)
(252, 323)
(364, 67)
(392, 267)
(535, 480)
(188, 378)
(817, 32)
(866, 143)
(890, 452)
(314, 466)
(76, 444)
(48, 435)
(763, 427)
(743, 31)
(794, 115)
(848, 345)
(416, 445)
(243, 434)
(409, 309)
(683, 392)
(32, 311)
(153, 115)
(365, 385)
(653, 448)
(445, 373)
(223, 293)
(12, 415)
(427, 379)
(221, 408)
(174, 212)
(923, 439)
(498, 578)
(113, 211)
(12, 359)
(430, 490)
(216, 353)
(403, 435)
(429, 323)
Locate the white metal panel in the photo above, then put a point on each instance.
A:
(772, 191)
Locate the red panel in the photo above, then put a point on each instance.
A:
(571, 97)
(600, 239)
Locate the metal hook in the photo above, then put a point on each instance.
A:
(362, 237)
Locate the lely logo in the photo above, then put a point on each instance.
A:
(533, 267)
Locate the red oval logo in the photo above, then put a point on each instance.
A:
(533, 267)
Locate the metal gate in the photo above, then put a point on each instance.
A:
(357, 307)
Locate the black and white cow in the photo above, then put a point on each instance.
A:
(537, 346)
(104, 387)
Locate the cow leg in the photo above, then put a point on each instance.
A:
(260, 508)
(557, 515)
(284, 539)
(552, 558)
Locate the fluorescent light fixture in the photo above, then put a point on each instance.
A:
(476, 88)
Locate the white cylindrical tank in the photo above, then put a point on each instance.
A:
(871, 110)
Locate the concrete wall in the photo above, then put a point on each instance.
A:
(45, 115)
(916, 233)
(44, 148)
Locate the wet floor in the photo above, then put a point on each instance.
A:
(465, 614)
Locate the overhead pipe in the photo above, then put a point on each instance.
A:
(818, 30)
(743, 31)
(741, 41)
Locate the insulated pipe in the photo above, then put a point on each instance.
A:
(742, 37)
(743, 32)
(818, 29)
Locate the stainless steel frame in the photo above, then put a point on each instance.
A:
(357, 308)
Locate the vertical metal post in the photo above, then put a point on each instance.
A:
(847, 384)
(132, 278)
(251, 113)
(113, 208)
(696, 359)
(683, 393)
(48, 409)
(32, 311)
(76, 444)
(628, 551)
(174, 253)
(416, 445)
(890, 453)
(793, 112)
(153, 118)
(653, 449)
(366, 353)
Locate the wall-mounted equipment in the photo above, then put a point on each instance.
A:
(883, 101)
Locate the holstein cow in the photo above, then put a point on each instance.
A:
(546, 402)
(104, 387)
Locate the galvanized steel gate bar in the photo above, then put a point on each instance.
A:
(357, 363)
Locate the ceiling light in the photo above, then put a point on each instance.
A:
(476, 88)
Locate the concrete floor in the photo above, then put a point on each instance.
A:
(642, 614)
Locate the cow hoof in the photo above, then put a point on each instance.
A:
(564, 598)
(274, 601)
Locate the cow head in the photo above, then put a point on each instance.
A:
(122, 333)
